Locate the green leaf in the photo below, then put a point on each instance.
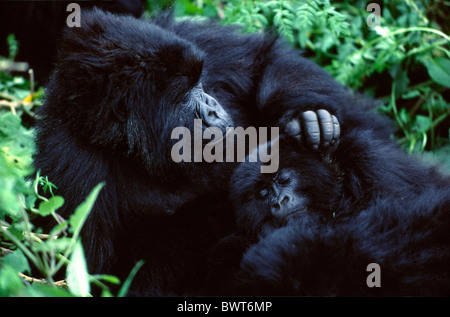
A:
(16, 142)
(108, 278)
(10, 182)
(48, 207)
(13, 46)
(327, 41)
(81, 213)
(423, 123)
(56, 230)
(77, 274)
(17, 260)
(10, 124)
(438, 69)
(124, 289)
(404, 116)
(411, 94)
(10, 282)
(44, 290)
(54, 245)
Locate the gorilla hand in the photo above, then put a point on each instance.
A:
(320, 128)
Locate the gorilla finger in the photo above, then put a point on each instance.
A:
(293, 127)
(312, 130)
(336, 128)
(326, 126)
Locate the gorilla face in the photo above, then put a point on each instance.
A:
(305, 182)
(281, 196)
(268, 199)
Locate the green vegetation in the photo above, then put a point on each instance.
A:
(404, 62)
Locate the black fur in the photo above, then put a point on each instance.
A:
(367, 202)
(119, 88)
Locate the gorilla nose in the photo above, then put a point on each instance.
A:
(280, 203)
(213, 114)
(212, 118)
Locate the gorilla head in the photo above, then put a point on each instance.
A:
(119, 88)
(306, 181)
(126, 84)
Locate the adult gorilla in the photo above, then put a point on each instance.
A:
(121, 86)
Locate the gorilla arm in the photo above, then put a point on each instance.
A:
(301, 98)
(262, 82)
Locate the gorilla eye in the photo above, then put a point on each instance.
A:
(284, 180)
(263, 193)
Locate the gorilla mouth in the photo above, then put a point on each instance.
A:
(294, 212)
(289, 214)
(282, 220)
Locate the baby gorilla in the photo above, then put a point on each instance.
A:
(303, 191)
(306, 180)
(314, 227)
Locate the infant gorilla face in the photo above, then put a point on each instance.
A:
(305, 182)
(281, 195)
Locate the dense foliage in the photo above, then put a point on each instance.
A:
(404, 61)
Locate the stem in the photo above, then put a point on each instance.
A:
(436, 45)
(396, 32)
(23, 248)
(440, 119)
(35, 187)
(394, 109)
(406, 30)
